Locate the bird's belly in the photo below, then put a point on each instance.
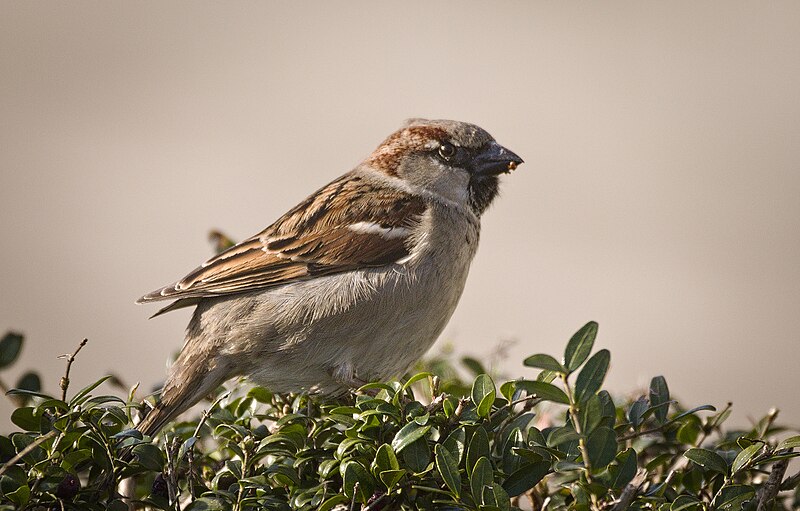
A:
(366, 325)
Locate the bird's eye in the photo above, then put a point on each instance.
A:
(447, 150)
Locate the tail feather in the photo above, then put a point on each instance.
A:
(159, 417)
(189, 382)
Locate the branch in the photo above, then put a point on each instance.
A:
(790, 482)
(630, 491)
(28, 448)
(773, 485)
(70, 359)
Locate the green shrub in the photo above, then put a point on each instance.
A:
(554, 441)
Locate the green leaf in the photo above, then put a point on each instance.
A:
(473, 365)
(20, 496)
(260, 394)
(659, 398)
(733, 496)
(626, 468)
(353, 472)
(483, 394)
(390, 478)
(579, 346)
(30, 381)
(543, 361)
(562, 435)
(448, 469)
(601, 447)
(685, 503)
(636, 412)
(707, 459)
(482, 475)
(414, 379)
(332, 502)
(544, 391)
(789, 443)
(547, 376)
(609, 409)
(455, 443)
(694, 410)
(22, 441)
(82, 394)
(149, 456)
(508, 390)
(526, 477)
(689, 431)
(478, 448)
(10, 346)
(27, 393)
(591, 377)
(590, 414)
(745, 457)
(494, 495)
(70, 460)
(407, 435)
(385, 458)
(417, 456)
(26, 418)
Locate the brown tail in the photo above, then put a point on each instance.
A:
(190, 380)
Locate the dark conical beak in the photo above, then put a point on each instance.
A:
(495, 159)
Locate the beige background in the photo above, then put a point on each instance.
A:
(661, 193)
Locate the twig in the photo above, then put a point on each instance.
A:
(372, 505)
(70, 360)
(790, 482)
(512, 404)
(170, 475)
(770, 489)
(436, 403)
(195, 435)
(630, 491)
(28, 448)
(355, 493)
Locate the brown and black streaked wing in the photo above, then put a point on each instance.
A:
(344, 226)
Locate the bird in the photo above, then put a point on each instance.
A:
(352, 285)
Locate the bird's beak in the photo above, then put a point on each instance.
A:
(495, 159)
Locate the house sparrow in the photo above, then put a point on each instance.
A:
(352, 285)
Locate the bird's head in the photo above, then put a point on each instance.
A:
(456, 160)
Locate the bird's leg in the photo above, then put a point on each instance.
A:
(345, 376)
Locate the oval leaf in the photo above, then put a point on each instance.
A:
(10, 346)
(792, 441)
(478, 448)
(579, 346)
(591, 377)
(601, 447)
(744, 457)
(482, 476)
(526, 477)
(659, 398)
(409, 434)
(447, 466)
(385, 458)
(455, 443)
(544, 391)
(626, 468)
(543, 361)
(733, 496)
(707, 459)
(483, 394)
(352, 472)
(684, 503)
(30, 381)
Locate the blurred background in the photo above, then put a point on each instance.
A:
(660, 194)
